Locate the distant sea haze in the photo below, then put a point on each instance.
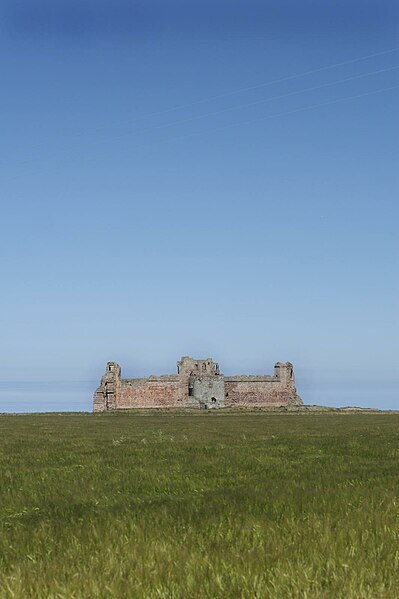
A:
(46, 396)
(76, 396)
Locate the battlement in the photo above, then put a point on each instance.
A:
(197, 384)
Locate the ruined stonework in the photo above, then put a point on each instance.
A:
(197, 384)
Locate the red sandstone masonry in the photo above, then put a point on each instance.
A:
(257, 394)
(197, 384)
(146, 393)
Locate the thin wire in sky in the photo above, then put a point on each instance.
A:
(271, 82)
(265, 100)
(288, 112)
(281, 96)
(252, 87)
(281, 114)
(242, 89)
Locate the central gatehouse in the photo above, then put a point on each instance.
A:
(197, 384)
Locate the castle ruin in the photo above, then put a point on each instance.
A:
(197, 384)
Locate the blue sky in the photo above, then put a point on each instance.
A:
(206, 178)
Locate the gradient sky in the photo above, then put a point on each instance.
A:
(207, 178)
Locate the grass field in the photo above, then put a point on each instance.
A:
(199, 505)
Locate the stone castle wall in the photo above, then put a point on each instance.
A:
(258, 391)
(198, 384)
(157, 392)
(255, 393)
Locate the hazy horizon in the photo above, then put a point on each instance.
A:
(72, 395)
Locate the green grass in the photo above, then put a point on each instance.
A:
(199, 505)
